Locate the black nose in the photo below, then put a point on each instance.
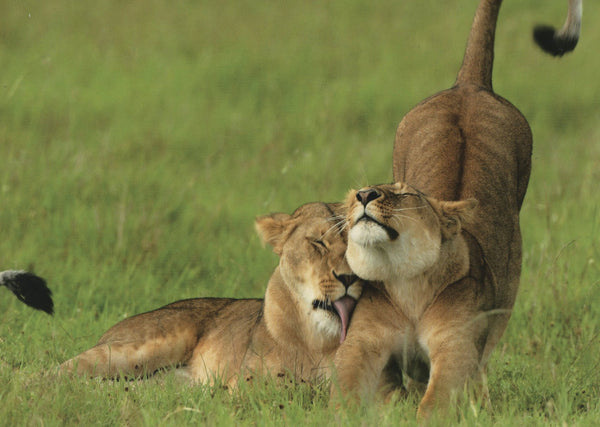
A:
(346, 279)
(367, 196)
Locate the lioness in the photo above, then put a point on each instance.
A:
(296, 329)
(449, 275)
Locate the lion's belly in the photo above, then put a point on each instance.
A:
(215, 356)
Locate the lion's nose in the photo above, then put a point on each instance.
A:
(346, 279)
(367, 196)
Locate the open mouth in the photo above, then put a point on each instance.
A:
(392, 234)
(343, 307)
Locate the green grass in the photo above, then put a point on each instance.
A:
(140, 139)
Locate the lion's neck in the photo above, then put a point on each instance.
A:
(287, 325)
(413, 295)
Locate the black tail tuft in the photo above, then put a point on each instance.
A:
(551, 42)
(29, 288)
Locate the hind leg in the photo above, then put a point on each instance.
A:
(139, 345)
(129, 359)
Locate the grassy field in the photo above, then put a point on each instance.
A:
(140, 139)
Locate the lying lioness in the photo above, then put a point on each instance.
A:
(295, 330)
(449, 275)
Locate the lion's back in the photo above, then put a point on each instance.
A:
(470, 143)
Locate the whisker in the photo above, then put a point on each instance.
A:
(336, 225)
(336, 217)
(397, 218)
(343, 227)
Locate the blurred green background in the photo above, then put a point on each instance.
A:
(140, 139)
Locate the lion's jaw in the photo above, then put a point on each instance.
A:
(374, 255)
(325, 318)
(293, 320)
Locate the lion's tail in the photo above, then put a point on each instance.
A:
(29, 288)
(559, 42)
(478, 61)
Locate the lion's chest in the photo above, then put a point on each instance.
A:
(410, 356)
(412, 298)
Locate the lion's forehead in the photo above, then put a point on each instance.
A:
(318, 227)
(318, 210)
(396, 188)
(301, 243)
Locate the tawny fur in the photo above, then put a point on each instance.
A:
(449, 281)
(224, 338)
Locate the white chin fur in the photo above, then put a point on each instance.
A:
(367, 233)
(372, 257)
(326, 324)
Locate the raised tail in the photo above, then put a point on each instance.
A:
(558, 42)
(29, 288)
(478, 61)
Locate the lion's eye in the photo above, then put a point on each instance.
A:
(319, 244)
(405, 195)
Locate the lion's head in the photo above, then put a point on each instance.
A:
(317, 286)
(397, 231)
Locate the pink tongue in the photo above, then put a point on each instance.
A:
(344, 307)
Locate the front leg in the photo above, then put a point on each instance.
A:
(362, 358)
(359, 366)
(453, 366)
(453, 333)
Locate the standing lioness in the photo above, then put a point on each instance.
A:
(449, 273)
(296, 329)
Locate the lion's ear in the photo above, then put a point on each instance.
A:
(454, 214)
(274, 229)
